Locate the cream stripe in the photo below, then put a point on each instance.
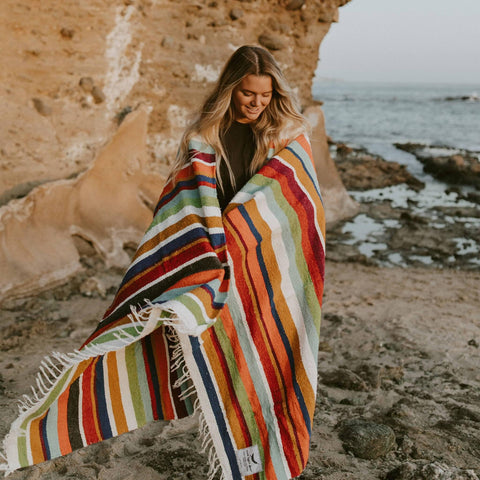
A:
(283, 261)
(124, 384)
(205, 406)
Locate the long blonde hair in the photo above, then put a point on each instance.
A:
(217, 112)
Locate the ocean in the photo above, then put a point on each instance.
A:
(377, 115)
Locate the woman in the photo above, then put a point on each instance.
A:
(250, 109)
(219, 311)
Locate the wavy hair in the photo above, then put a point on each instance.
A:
(217, 113)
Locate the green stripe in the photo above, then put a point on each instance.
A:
(49, 399)
(134, 387)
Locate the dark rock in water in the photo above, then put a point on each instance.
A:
(473, 197)
(366, 439)
(460, 167)
(271, 41)
(361, 170)
(464, 98)
(344, 378)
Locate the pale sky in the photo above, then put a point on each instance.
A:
(405, 41)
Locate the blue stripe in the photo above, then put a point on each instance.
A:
(215, 407)
(105, 427)
(276, 316)
(169, 248)
(308, 167)
(43, 432)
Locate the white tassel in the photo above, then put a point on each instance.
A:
(54, 366)
(188, 392)
(46, 377)
(35, 395)
(41, 386)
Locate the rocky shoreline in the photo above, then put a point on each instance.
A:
(401, 220)
(455, 166)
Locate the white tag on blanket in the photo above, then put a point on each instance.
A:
(249, 460)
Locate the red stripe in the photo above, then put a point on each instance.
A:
(89, 410)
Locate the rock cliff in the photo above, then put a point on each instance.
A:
(71, 72)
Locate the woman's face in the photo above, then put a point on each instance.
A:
(251, 96)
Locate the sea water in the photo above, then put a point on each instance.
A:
(378, 115)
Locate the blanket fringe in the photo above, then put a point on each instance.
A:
(206, 440)
(56, 365)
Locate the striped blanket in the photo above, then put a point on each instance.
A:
(218, 313)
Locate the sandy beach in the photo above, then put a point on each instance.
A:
(400, 348)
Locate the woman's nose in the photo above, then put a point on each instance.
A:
(256, 100)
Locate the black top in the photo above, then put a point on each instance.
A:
(239, 144)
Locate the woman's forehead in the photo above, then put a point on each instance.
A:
(256, 83)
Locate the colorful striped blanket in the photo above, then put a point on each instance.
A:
(218, 313)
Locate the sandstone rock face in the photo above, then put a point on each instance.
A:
(107, 206)
(71, 72)
(338, 204)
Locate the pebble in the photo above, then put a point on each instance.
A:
(343, 378)
(67, 32)
(236, 13)
(98, 94)
(86, 83)
(41, 107)
(295, 4)
(367, 440)
(271, 41)
(168, 42)
(93, 286)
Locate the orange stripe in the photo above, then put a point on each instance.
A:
(115, 395)
(62, 425)
(35, 439)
